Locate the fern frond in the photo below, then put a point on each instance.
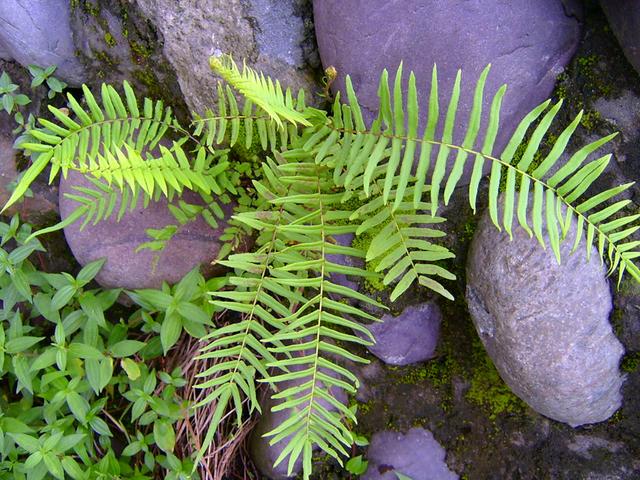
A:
(285, 287)
(100, 130)
(259, 300)
(229, 124)
(401, 244)
(260, 90)
(388, 150)
(308, 388)
(124, 178)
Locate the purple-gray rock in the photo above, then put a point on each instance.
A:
(624, 18)
(408, 338)
(528, 43)
(195, 243)
(546, 326)
(415, 454)
(263, 454)
(39, 33)
(345, 240)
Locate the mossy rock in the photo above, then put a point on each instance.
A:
(116, 42)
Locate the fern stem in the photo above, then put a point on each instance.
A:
(320, 304)
(172, 126)
(251, 315)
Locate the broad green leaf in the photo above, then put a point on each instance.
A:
(170, 331)
(63, 296)
(21, 344)
(78, 406)
(126, 348)
(164, 435)
(356, 465)
(131, 368)
(84, 351)
(90, 270)
(27, 442)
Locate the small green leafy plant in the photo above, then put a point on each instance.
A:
(323, 174)
(12, 100)
(84, 395)
(45, 75)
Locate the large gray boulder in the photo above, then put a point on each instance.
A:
(115, 41)
(528, 43)
(163, 46)
(415, 454)
(624, 18)
(194, 244)
(39, 33)
(546, 326)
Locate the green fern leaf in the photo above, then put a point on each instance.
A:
(104, 131)
(361, 158)
(260, 90)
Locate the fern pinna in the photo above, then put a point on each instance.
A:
(326, 174)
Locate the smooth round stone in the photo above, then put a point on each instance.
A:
(528, 44)
(411, 337)
(415, 454)
(194, 244)
(624, 19)
(39, 33)
(546, 326)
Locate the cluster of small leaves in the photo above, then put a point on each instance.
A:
(12, 100)
(45, 75)
(81, 397)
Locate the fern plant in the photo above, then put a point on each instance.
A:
(324, 175)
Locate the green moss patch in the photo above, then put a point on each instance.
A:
(488, 390)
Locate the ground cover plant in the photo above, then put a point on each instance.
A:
(278, 319)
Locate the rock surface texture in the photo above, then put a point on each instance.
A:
(39, 33)
(194, 244)
(624, 18)
(528, 44)
(267, 33)
(408, 338)
(415, 454)
(546, 326)
(116, 42)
